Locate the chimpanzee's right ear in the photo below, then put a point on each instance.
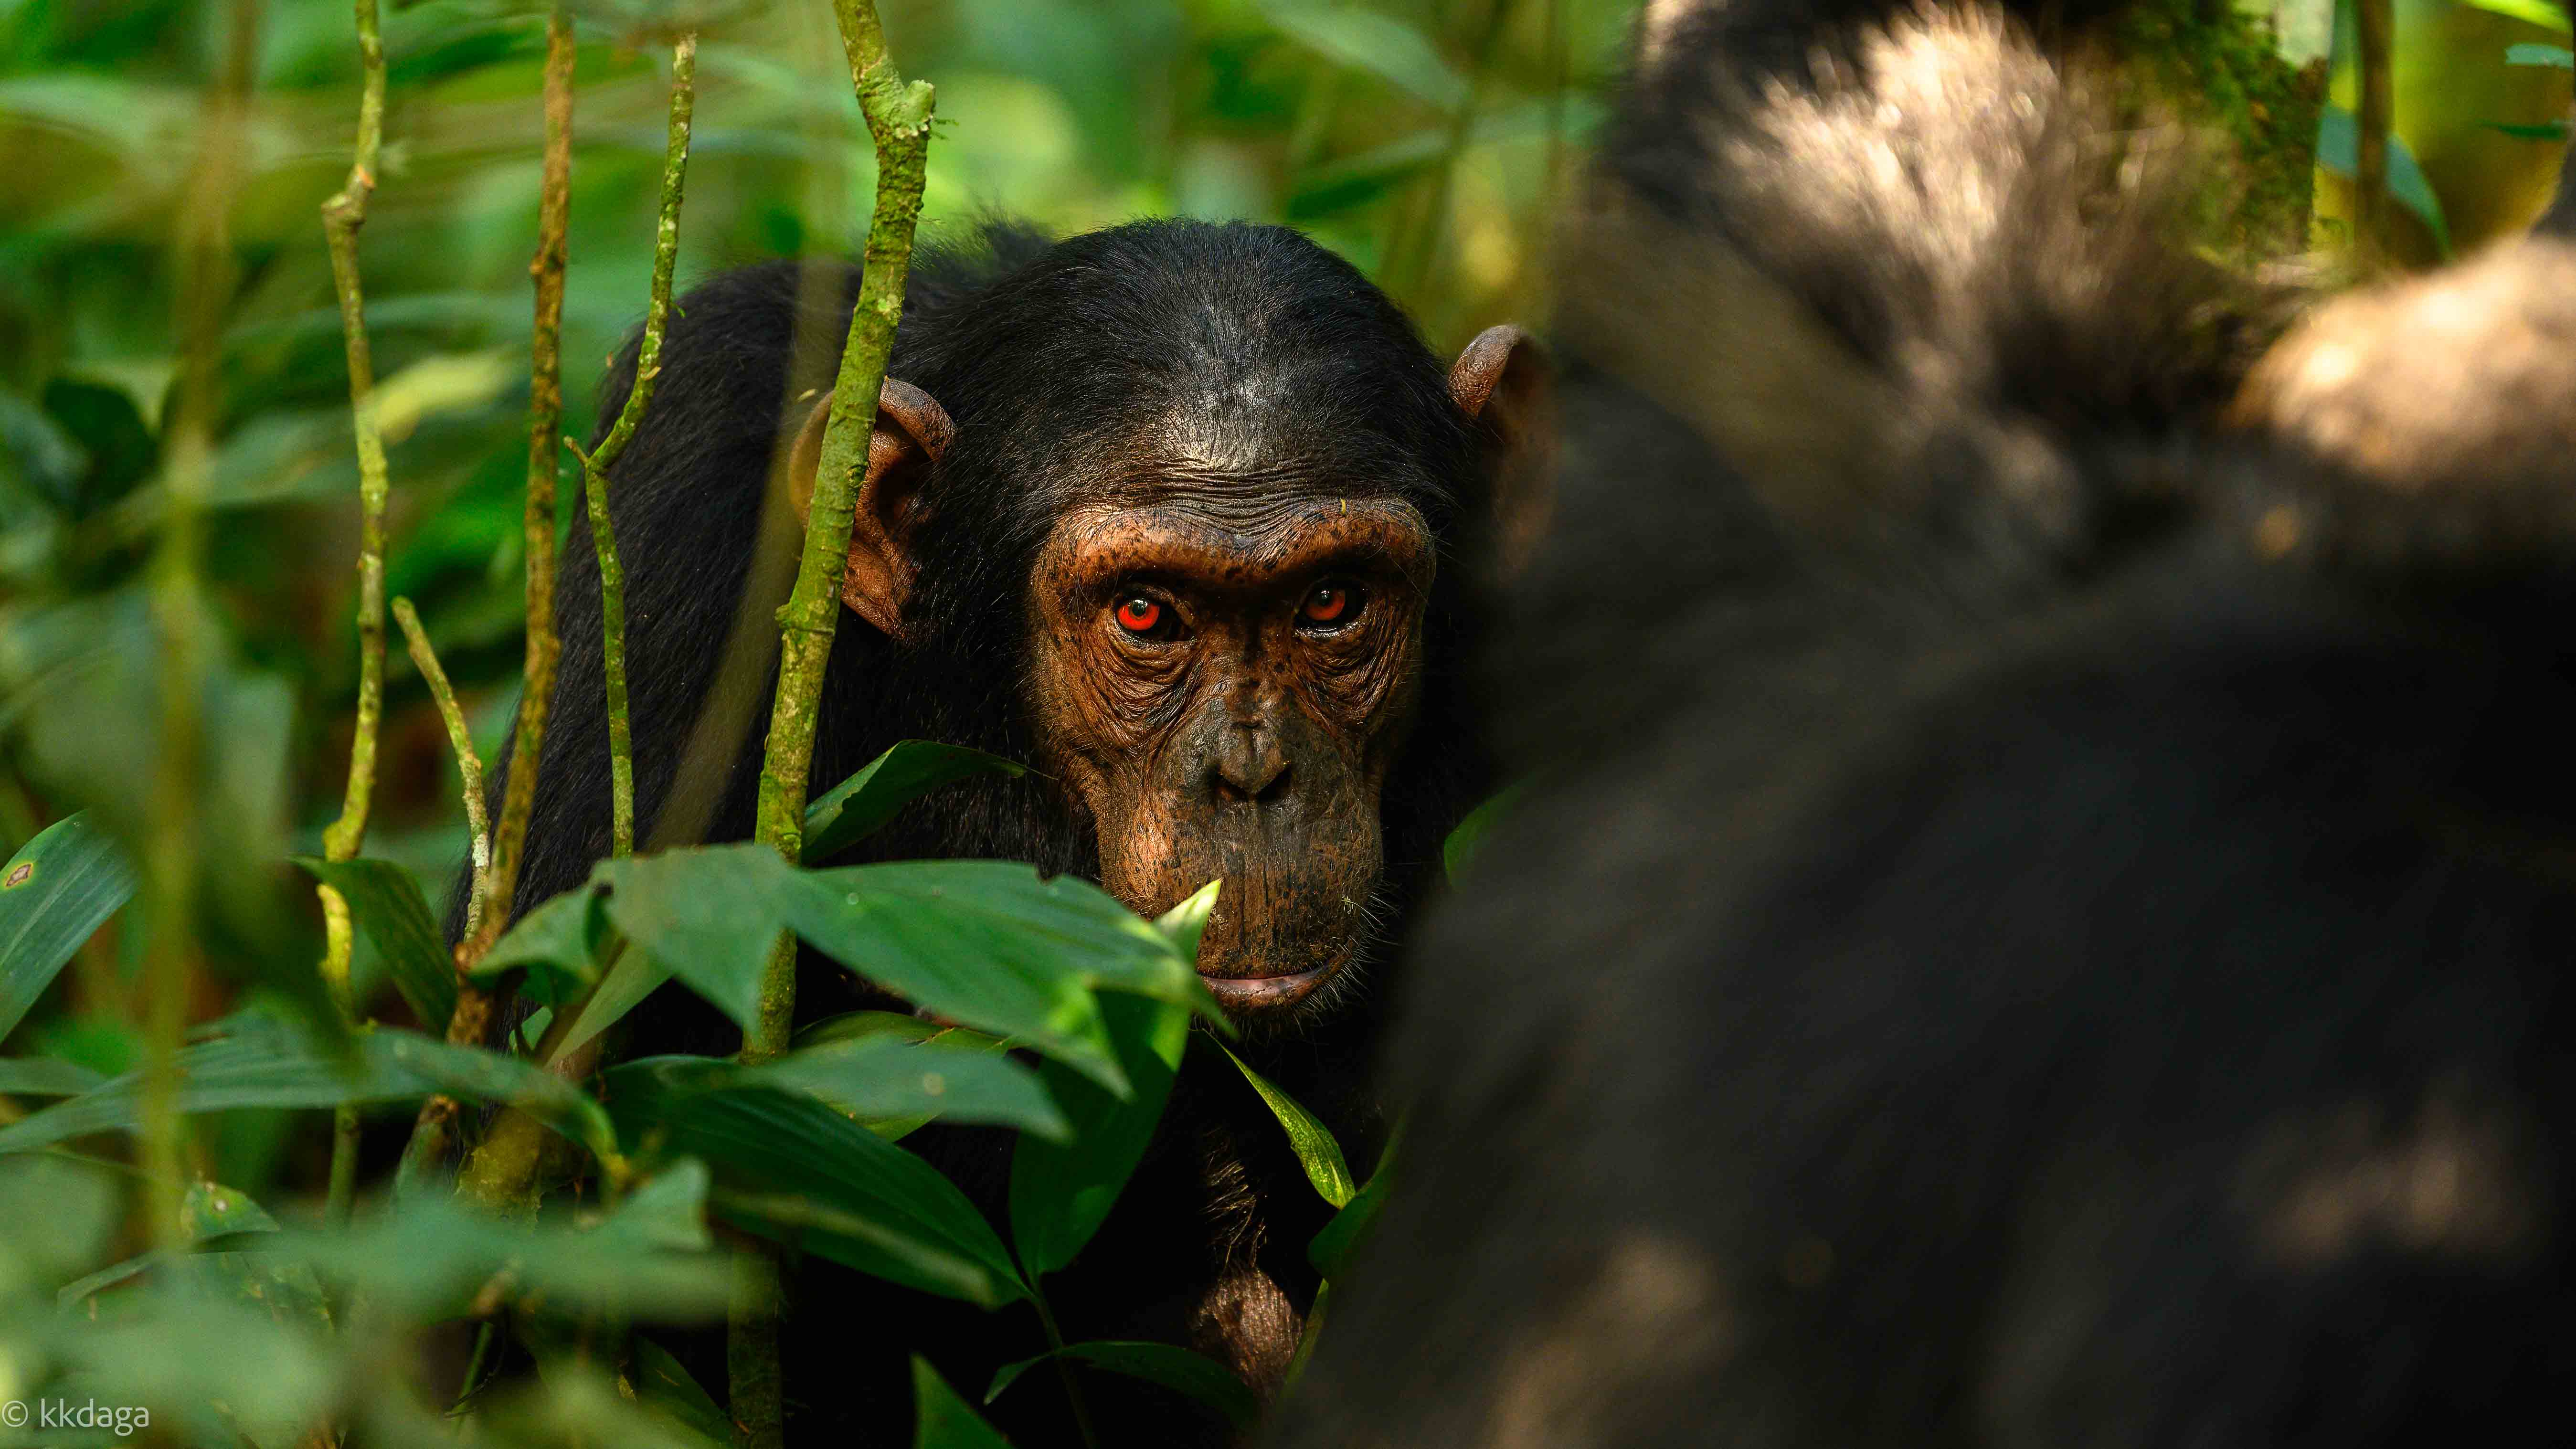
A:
(912, 430)
(1503, 380)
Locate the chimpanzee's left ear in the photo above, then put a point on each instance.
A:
(910, 433)
(1503, 381)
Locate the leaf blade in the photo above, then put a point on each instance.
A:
(55, 892)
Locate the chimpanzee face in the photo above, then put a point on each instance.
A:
(1222, 678)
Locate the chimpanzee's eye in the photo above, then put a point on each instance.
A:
(1143, 617)
(1330, 606)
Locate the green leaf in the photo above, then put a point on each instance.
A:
(1379, 44)
(2557, 56)
(791, 1167)
(1173, 1367)
(941, 1419)
(57, 890)
(859, 805)
(433, 1256)
(989, 944)
(1463, 842)
(1060, 1194)
(984, 943)
(633, 976)
(1330, 1249)
(260, 1061)
(385, 901)
(211, 1210)
(2339, 151)
(1313, 1142)
(558, 944)
(45, 1077)
(2545, 131)
(880, 1078)
(869, 1025)
(1185, 923)
(2545, 13)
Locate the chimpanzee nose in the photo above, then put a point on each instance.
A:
(1249, 766)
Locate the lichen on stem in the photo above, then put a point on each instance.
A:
(469, 765)
(342, 216)
(898, 115)
(595, 465)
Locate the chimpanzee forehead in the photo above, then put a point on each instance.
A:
(1244, 449)
(1243, 540)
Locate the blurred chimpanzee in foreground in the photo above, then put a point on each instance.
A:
(2047, 912)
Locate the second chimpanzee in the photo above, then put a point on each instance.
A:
(1182, 514)
(2047, 912)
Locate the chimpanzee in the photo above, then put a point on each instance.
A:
(2045, 913)
(1185, 516)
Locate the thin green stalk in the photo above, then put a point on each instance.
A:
(342, 216)
(1064, 1369)
(595, 466)
(180, 616)
(2377, 25)
(435, 1128)
(898, 116)
(469, 765)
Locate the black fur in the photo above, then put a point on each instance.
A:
(1051, 359)
(2050, 934)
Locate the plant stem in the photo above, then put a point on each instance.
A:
(180, 616)
(2377, 24)
(898, 116)
(433, 1130)
(648, 367)
(1063, 1367)
(342, 216)
(469, 765)
(545, 426)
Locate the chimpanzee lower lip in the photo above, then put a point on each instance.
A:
(1256, 992)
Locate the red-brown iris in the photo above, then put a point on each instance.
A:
(1329, 604)
(1140, 615)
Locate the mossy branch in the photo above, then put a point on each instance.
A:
(342, 216)
(595, 466)
(435, 1128)
(898, 114)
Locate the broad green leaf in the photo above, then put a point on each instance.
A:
(57, 890)
(706, 916)
(260, 1061)
(558, 944)
(881, 1078)
(859, 805)
(431, 1257)
(2545, 13)
(211, 1367)
(2552, 56)
(386, 903)
(63, 1214)
(1313, 1142)
(45, 1077)
(1330, 1249)
(1377, 43)
(211, 1210)
(868, 1025)
(942, 1420)
(791, 1167)
(2544, 131)
(1461, 846)
(570, 1403)
(1175, 1368)
(1060, 1194)
(988, 944)
(2339, 151)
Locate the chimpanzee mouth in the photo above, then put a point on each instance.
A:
(1274, 993)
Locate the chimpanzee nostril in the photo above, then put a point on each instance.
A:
(1249, 766)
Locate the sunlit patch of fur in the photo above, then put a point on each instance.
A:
(1650, 1316)
(2455, 1180)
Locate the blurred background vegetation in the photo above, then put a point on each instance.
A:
(1424, 139)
